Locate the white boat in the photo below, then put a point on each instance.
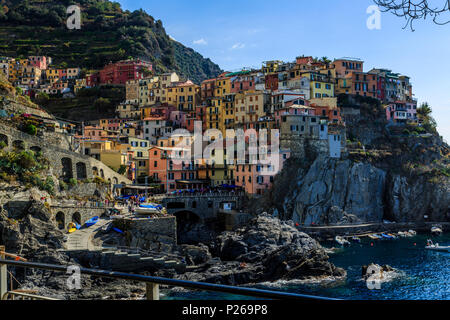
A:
(412, 233)
(148, 209)
(436, 230)
(436, 247)
(342, 241)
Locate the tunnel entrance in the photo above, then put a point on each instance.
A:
(188, 223)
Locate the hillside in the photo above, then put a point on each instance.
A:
(107, 33)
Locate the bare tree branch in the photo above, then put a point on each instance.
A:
(415, 10)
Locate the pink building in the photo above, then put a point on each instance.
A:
(170, 174)
(256, 179)
(402, 112)
(178, 118)
(244, 82)
(40, 62)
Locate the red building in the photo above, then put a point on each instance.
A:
(92, 80)
(123, 71)
(272, 82)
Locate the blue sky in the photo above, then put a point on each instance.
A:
(236, 34)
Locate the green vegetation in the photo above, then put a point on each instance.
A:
(73, 182)
(108, 33)
(424, 113)
(122, 170)
(26, 167)
(82, 107)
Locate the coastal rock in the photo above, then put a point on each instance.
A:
(336, 191)
(195, 255)
(267, 249)
(30, 232)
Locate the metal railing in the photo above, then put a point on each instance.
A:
(152, 283)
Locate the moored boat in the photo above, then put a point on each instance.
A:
(148, 209)
(436, 231)
(387, 236)
(375, 236)
(356, 239)
(91, 222)
(342, 241)
(436, 247)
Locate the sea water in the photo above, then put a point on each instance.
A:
(422, 274)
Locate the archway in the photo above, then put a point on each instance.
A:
(67, 172)
(102, 174)
(76, 217)
(19, 145)
(115, 180)
(60, 220)
(81, 171)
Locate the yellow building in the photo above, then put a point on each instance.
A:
(249, 107)
(270, 67)
(52, 75)
(322, 86)
(114, 159)
(140, 148)
(185, 96)
(213, 114)
(94, 148)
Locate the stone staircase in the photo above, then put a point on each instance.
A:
(133, 259)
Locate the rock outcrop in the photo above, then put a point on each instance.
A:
(332, 191)
(267, 249)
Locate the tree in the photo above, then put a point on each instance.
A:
(424, 110)
(424, 113)
(413, 10)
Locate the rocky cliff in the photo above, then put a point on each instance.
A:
(386, 174)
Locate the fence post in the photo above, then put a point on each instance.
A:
(152, 291)
(3, 275)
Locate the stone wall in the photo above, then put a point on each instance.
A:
(159, 234)
(63, 163)
(206, 208)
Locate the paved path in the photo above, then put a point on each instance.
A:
(82, 239)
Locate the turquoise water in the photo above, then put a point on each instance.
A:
(424, 275)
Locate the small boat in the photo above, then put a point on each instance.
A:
(91, 222)
(387, 236)
(356, 239)
(436, 231)
(436, 247)
(342, 241)
(412, 233)
(148, 209)
(118, 230)
(375, 237)
(73, 227)
(392, 235)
